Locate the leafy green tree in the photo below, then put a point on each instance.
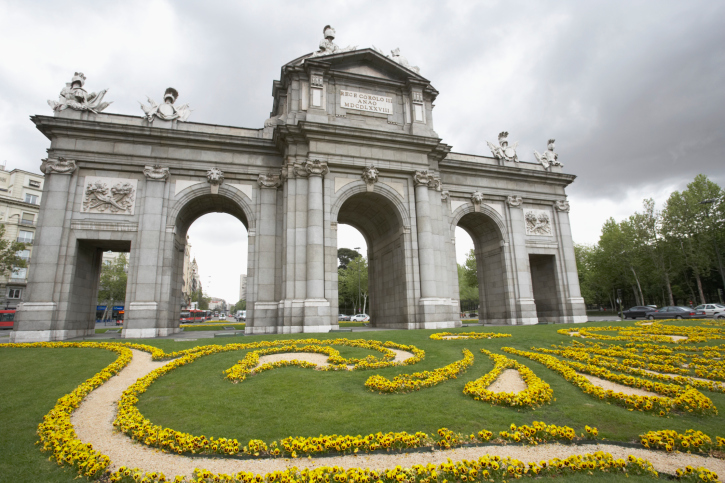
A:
(465, 290)
(241, 305)
(203, 300)
(112, 287)
(353, 283)
(470, 268)
(346, 255)
(9, 259)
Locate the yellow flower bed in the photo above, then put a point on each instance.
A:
(669, 441)
(656, 332)
(419, 380)
(686, 399)
(467, 335)
(537, 392)
(690, 473)
(540, 432)
(484, 469)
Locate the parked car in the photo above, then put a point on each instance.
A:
(343, 318)
(360, 318)
(713, 310)
(638, 311)
(676, 312)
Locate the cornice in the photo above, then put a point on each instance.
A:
(457, 167)
(53, 127)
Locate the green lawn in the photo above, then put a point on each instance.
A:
(300, 402)
(31, 380)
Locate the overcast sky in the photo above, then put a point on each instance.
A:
(633, 92)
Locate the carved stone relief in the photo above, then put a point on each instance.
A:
(311, 167)
(58, 166)
(477, 199)
(109, 195)
(269, 180)
(538, 222)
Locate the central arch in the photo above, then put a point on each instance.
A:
(381, 218)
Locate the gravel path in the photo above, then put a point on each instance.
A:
(603, 383)
(509, 381)
(93, 423)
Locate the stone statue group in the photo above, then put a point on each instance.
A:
(507, 152)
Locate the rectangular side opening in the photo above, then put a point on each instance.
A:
(545, 286)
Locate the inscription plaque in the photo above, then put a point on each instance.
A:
(366, 102)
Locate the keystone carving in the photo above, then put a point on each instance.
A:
(156, 173)
(562, 205)
(270, 180)
(477, 200)
(370, 176)
(514, 200)
(58, 166)
(74, 96)
(112, 194)
(215, 176)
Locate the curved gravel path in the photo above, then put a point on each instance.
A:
(93, 422)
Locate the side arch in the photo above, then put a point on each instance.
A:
(463, 210)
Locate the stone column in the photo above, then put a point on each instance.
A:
(142, 314)
(574, 306)
(266, 305)
(426, 256)
(525, 305)
(317, 308)
(37, 319)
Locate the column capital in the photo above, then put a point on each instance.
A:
(562, 205)
(514, 200)
(312, 167)
(270, 180)
(59, 165)
(428, 178)
(156, 173)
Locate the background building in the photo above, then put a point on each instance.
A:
(218, 304)
(243, 286)
(20, 193)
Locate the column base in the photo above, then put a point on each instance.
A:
(432, 312)
(21, 336)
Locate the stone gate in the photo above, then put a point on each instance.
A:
(350, 140)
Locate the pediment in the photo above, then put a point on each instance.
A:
(367, 62)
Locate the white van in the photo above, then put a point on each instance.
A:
(241, 315)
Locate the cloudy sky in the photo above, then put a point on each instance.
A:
(633, 91)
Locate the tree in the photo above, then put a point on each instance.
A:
(465, 290)
(241, 305)
(9, 259)
(112, 287)
(353, 283)
(346, 255)
(203, 300)
(470, 270)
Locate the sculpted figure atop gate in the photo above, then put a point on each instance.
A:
(166, 111)
(503, 150)
(74, 96)
(549, 157)
(328, 47)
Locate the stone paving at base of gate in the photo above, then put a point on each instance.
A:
(93, 422)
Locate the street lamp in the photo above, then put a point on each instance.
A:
(707, 204)
(358, 280)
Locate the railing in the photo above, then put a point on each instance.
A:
(27, 222)
(22, 239)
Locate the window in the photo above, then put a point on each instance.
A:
(19, 273)
(27, 219)
(34, 183)
(24, 254)
(14, 293)
(25, 236)
(418, 111)
(32, 199)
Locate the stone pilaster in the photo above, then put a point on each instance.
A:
(317, 308)
(37, 318)
(573, 303)
(266, 304)
(524, 304)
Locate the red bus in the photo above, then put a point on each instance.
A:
(7, 319)
(192, 315)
